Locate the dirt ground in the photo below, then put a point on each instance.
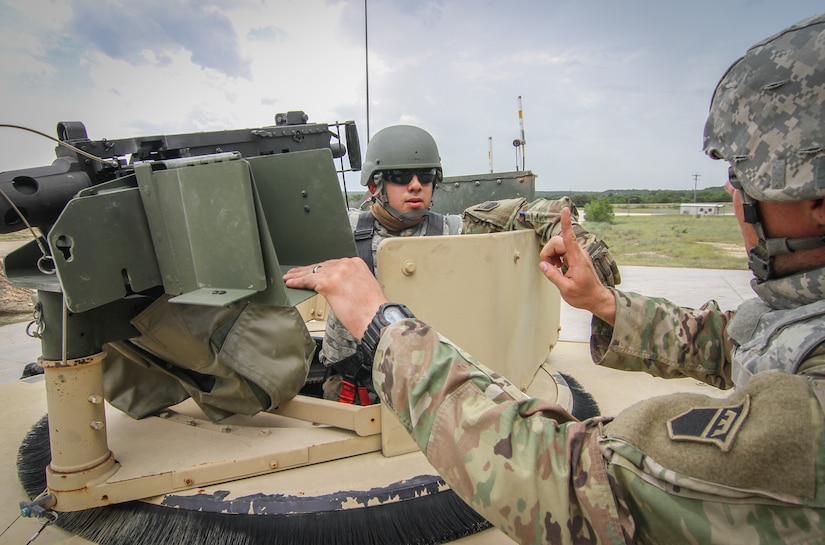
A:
(733, 250)
(15, 303)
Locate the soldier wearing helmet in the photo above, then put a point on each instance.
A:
(397, 158)
(766, 121)
(401, 170)
(681, 468)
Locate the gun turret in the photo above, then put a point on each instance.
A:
(207, 218)
(41, 193)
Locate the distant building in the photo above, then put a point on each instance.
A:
(702, 209)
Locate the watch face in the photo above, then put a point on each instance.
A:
(393, 314)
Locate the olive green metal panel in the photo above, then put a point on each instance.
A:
(102, 248)
(208, 232)
(204, 228)
(21, 267)
(86, 331)
(301, 218)
(483, 292)
(457, 193)
(304, 207)
(276, 293)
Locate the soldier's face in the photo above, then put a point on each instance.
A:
(411, 197)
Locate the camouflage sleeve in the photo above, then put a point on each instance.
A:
(338, 342)
(544, 217)
(665, 340)
(524, 464)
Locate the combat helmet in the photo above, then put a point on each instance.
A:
(767, 121)
(399, 147)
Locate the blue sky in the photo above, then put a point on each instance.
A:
(614, 93)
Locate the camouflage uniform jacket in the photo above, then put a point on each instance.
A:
(684, 468)
(338, 343)
(747, 468)
(525, 464)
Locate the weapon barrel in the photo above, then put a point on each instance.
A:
(39, 193)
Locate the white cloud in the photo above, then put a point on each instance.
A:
(50, 15)
(615, 95)
(21, 63)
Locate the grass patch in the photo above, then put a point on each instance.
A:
(674, 240)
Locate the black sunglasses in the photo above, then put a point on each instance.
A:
(425, 176)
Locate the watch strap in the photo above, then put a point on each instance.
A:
(373, 332)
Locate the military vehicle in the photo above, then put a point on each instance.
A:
(180, 396)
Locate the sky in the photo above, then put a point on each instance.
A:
(614, 93)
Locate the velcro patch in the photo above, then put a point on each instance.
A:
(717, 426)
(488, 205)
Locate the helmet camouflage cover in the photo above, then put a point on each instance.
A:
(399, 147)
(766, 115)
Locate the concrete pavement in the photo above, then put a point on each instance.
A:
(685, 287)
(16, 350)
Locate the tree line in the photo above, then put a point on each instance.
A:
(621, 197)
(642, 196)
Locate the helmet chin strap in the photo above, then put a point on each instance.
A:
(408, 218)
(761, 257)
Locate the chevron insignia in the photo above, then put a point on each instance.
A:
(715, 425)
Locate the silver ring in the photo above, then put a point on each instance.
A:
(315, 268)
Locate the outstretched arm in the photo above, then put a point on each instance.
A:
(579, 285)
(348, 286)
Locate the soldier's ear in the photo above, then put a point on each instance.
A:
(818, 212)
(373, 189)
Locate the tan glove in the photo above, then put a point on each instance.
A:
(543, 216)
(599, 253)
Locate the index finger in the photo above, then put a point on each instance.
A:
(569, 237)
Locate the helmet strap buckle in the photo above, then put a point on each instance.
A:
(760, 263)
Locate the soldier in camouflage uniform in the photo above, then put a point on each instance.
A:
(401, 170)
(682, 468)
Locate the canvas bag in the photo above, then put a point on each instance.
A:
(243, 358)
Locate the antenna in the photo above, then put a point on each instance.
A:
(521, 127)
(367, 67)
(490, 152)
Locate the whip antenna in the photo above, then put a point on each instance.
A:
(521, 128)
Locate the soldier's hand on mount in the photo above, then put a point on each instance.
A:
(349, 287)
(542, 216)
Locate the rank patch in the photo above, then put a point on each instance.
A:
(715, 425)
(488, 205)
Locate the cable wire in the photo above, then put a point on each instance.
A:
(112, 163)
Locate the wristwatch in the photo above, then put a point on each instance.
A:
(387, 314)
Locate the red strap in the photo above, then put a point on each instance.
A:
(347, 392)
(364, 396)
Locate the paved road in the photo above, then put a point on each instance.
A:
(686, 287)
